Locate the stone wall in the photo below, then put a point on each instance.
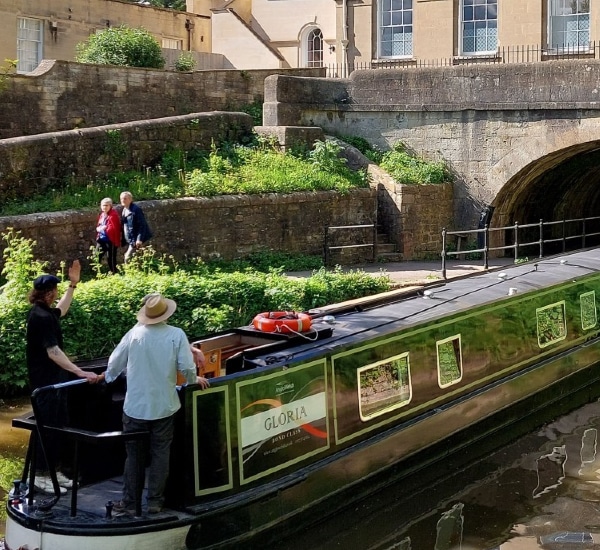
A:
(34, 164)
(222, 227)
(412, 216)
(498, 127)
(62, 95)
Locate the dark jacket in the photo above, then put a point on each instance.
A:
(135, 227)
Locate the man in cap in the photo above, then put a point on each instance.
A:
(47, 363)
(152, 353)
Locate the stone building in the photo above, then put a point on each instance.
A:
(348, 34)
(342, 35)
(34, 30)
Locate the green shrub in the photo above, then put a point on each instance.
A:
(405, 168)
(185, 62)
(8, 67)
(372, 153)
(244, 170)
(122, 46)
(207, 301)
(229, 169)
(255, 110)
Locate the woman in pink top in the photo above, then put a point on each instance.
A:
(108, 233)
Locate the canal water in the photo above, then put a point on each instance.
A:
(13, 446)
(540, 492)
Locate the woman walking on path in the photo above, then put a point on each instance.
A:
(108, 233)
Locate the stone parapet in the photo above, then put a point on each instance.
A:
(34, 164)
(63, 95)
(226, 227)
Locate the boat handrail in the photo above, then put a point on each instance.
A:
(77, 435)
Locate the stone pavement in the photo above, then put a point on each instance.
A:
(407, 273)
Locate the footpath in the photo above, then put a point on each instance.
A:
(410, 273)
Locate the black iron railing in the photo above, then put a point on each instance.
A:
(504, 55)
(41, 433)
(532, 236)
(328, 247)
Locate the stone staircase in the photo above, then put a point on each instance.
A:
(386, 250)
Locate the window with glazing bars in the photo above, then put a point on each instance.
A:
(29, 44)
(479, 20)
(314, 48)
(569, 23)
(395, 28)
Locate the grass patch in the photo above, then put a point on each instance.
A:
(229, 170)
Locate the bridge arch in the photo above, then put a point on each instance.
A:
(562, 184)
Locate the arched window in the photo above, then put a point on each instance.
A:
(314, 48)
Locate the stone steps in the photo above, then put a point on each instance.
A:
(386, 250)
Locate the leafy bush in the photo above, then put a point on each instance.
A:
(260, 170)
(255, 110)
(122, 46)
(407, 169)
(8, 67)
(185, 62)
(267, 261)
(207, 301)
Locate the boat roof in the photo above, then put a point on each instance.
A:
(434, 302)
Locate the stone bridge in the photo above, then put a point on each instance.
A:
(523, 138)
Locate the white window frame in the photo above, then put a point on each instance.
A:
(30, 43)
(172, 43)
(559, 11)
(465, 5)
(307, 38)
(396, 14)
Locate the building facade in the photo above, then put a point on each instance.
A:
(342, 34)
(353, 33)
(34, 30)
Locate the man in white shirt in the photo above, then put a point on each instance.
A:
(151, 352)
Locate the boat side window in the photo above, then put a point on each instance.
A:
(449, 361)
(589, 316)
(384, 386)
(551, 324)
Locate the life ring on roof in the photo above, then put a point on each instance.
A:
(282, 321)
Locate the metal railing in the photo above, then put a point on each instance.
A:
(328, 247)
(503, 55)
(562, 231)
(41, 433)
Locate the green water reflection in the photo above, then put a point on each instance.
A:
(13, 447)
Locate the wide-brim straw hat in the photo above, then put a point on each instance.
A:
(156, 308)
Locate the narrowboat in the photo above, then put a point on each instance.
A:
(299, 423)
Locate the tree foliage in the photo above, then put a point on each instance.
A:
(123, 46)
(170, 4)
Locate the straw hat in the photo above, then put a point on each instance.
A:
(156, 308)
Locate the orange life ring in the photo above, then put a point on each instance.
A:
(282, 321)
